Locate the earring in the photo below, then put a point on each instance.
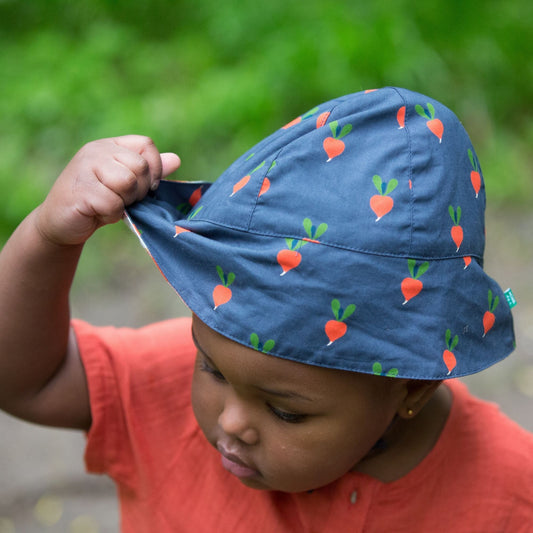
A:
(410, 412)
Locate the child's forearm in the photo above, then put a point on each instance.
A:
(35, 280)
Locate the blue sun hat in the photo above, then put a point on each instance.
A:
(352, 238)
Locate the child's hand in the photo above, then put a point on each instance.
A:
(99, 182)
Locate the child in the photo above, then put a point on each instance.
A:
(334, 273)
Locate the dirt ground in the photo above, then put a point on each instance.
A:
(43, 486)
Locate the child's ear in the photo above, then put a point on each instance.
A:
(419, 392)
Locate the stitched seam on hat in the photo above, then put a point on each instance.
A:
(410, 156)
(332, 244)
(275, 158)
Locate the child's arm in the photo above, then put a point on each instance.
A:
(41, 375)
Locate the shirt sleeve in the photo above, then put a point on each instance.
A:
(139, 390)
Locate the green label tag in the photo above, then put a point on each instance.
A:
(509, 296)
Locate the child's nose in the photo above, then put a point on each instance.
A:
(235, 421)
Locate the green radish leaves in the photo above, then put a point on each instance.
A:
(341, 314)
(422, 112)
(455, 219)
(384, 188)
(411, 263)
(334, 126)
(473, 162)
(377, 370)
(453, 343)
(226, 281)
(265, 348)
(493, 303)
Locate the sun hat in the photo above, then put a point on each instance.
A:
(351, 238)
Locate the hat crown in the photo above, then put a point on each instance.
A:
(385, 172)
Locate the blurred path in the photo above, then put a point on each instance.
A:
(43, 486)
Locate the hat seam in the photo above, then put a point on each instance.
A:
(410, 173)
(407, 255)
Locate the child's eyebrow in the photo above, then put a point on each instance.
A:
(266, 390)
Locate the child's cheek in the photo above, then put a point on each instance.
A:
(206, 402)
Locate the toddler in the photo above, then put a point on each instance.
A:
(335, 277)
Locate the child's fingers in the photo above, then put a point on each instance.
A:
(170, 163)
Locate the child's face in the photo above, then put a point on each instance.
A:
(282, 425)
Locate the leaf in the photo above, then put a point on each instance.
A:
(431, 110)
(310, 113)
(349, 311)
(458, 214)
(376, 180)
(258, 167)
(333, 126)
(272, 165)
(299, 244)
(269, 345)
(195, 212)
(490, 299)
(250, 156)
(448, 337)
(411, 265)
(345, 130)
(471, 157)
(254, 339)
(495, 304)
(289, 242)
(454, 343)
(422, 269)
(335, 307)
(322, 228)
(231, 279)
(221, 274)
(393, 183)
(377, 368)
(392, 373)
(308, 227)
(420, 110)
(451, 210)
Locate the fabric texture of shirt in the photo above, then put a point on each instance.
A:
(477, 478)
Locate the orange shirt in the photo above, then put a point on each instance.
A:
(477, 478)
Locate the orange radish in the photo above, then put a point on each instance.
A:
(266, 182)
(195, 196)
(448, 356)
(467, 259)
(288, 259)
(381, 203)
(297, 120)
(179, 230)
(265, 348)
(244, 181)
(333, 146)
(434, 124)
(489, 318)
(222, 293)
(291, 258)
(337, 328)
(412, 286)
(322, 119)
(457, 231)
(475, 176)
(400, 117)
(264, 187)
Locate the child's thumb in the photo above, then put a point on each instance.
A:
(170, 162)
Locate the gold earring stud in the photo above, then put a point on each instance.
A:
(410, 412)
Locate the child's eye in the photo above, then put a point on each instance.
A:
(205, 367)
(292, 418)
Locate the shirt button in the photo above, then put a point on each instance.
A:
(353, 497)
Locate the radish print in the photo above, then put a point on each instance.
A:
(448, 356)
(266, 182)
(244, 181)
(179, 230)
(222, 293)
(299, 119)
(335, 329)
(194, 198)
(457, 231)
(467, 259)
(412, 286)
(475, 176)
(381, 203)
(322, 119)
(434, 124)
(291, 258)
(489, 318)
(265, 348)
(377, 370)
(333, 145)
(400, 117)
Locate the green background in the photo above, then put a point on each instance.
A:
(208, 79)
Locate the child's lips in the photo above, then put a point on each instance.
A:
(235, 465)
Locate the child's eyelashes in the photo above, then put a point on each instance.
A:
(292, 418)
(205, 367)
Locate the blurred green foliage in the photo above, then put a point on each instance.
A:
(208, 79)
